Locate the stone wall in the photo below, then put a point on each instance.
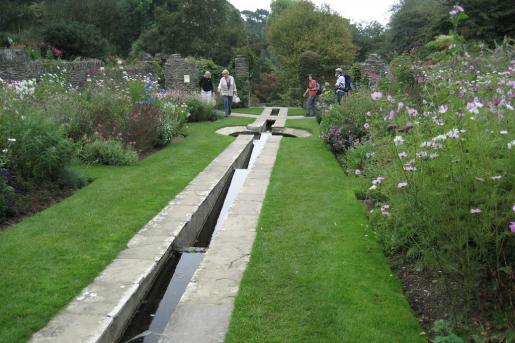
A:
(178, 72)
(242, 71)
(15, 64)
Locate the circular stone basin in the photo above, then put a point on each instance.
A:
(242, 130)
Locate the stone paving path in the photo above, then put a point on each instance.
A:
(204, 312)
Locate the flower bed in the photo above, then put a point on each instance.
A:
(436, 166)
(46, 125)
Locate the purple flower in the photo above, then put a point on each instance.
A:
(376, 95)
(403, 154)
(475, 210)
(512, 227)
(357, 172)
(400, 106)
(389, 98)
(391, 116)
(443, 108)
(366, 126)
(369, 114)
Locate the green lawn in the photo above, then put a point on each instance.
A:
(45, 260)
(316, 273)
(292, 111)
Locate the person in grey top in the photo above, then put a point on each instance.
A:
(227, 89)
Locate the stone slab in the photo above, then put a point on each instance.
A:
(101, 311)
(204, 311)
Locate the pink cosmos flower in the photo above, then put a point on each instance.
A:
(412, 112)
(376, 95)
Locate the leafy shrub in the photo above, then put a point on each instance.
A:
(109, 152)
(143, 126)
(41, 150)
(199, 110)
(342, 126)
(309, 63)
(75, 39)
(172, 120)
(6, 198)
(71, 178)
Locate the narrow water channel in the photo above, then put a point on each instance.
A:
(155, 311)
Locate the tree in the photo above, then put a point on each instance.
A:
(411, 26)
(211, 28)
(488, 20)
(368, 39)
(299, 27)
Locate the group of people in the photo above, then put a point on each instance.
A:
(343, 86)
(226, 88)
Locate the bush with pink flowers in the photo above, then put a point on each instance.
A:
(441, 172)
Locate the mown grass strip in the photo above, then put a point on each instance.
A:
(47, 259)
(316, 273)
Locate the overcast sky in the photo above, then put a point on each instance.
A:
(356, 10)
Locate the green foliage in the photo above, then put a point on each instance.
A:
(411, 27)
(200, 28)
(444, 333)
(199, 110)
(309, 63)
(109, 152)
(72, 178)
(41, 150)
(343, 126)
(6, 198)
(75, 39)
(368, 38)
(300, 26)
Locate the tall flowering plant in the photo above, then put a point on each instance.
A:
(441, 175)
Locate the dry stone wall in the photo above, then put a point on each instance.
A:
(181, 75)
(16, 65)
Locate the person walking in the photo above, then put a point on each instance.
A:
(339, 85)
(206, 87)
(227, 89)
(311, 93)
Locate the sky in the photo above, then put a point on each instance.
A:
(356, 10)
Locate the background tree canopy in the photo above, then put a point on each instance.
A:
(300, 26)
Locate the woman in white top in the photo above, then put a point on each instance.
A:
(227, 89)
